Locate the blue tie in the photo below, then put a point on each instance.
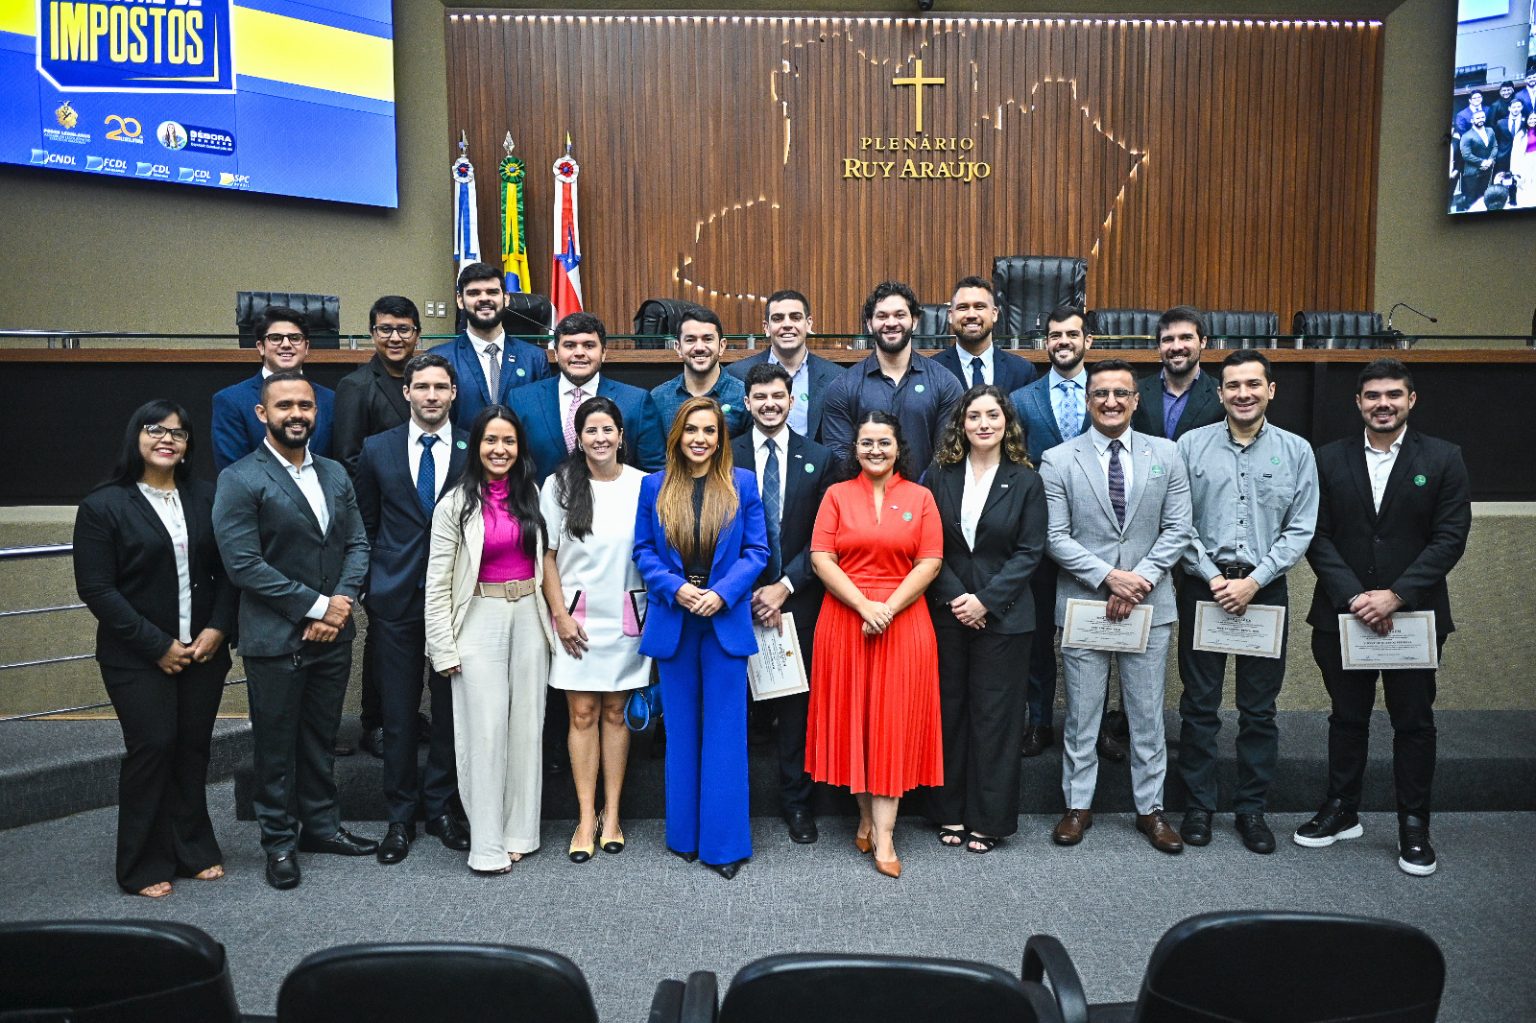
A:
(977, 380)
(1068, 419)
(772, 508)
(1117, 482)
(426, 475)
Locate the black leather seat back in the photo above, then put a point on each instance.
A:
(1347, 329)
(932, 329)
(1298, 967)
(528, 315)
(114, 970)
(1029, 287)
(1228, 328)
(660, 316)
(435, 983)
(322, 315)
(1121, 328)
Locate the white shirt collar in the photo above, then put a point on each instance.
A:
(759, 438)
(414, 433)
(1397, 445)
(500, 341)
(309, 458)
(1056, 378)
(588, 389)
(1101, 442)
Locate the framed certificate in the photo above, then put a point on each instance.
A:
(1258, 632)
(1087, 628)
(1410, 644)
(777, 669)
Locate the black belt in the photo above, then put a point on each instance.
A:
(698, 580)
(1236, 570)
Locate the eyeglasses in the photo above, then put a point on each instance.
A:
(1105, 393)
(279, 339)
(384, 330)
(177, 434)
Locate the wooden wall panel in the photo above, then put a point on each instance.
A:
(1227, 164)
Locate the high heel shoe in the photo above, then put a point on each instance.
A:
(583, 853)
(890, 867)
(864, 843)
(686, 857)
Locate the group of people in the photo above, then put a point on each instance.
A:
(513, 528)
(1495, 144)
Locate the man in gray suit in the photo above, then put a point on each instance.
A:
(1119, 521)
(293, 542)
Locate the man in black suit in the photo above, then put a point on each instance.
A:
(973, 358)
(1392, 522)
(1504, 131)
(400, 476)
(1180, 398)
(293, 543)
(370, 400)
(787, 323)
(792, 475)
(1479, 149)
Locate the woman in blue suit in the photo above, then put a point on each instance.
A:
(700, 544)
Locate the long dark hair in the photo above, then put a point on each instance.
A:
(522, 494)
(573, 480)
(129, 467)
(953, 446)
(901, 466)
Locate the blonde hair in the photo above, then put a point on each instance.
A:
(674, 502)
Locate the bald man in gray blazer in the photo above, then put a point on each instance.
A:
(1120, 519)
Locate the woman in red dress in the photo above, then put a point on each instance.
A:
(874, 716)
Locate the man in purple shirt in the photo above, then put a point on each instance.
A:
(1180, 398)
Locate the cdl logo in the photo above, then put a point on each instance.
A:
(152, 170)
(194, 175)
(47, 159)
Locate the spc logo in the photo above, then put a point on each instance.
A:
(106, 164)
(171, 135)
(234, 180)
(151, 170)
(43, 158)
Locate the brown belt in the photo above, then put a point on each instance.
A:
(517, 589)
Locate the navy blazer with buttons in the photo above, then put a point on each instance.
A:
(399, 529)
(521, 363)
(237, 432)
(1009, 371)
(538, 406)
(820, 372)
(1033, 404)
(807, 468)
(1201, 408)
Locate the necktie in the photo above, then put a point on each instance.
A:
(493, 352)
(1116, 482)
(570, 418)
(772, 509)
(977, 380)
(426, 475)
(1068, 419)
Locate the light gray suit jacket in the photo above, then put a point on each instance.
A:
(276, 555)
(1084, 538)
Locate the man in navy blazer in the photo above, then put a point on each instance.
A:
(401, 474)
(282, 341)
(974, 358)
(1054, 409)
(547, 407)
(487, 361)
(787, 324)
(1180, 397)
(799, 470)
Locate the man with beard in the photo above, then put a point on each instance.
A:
(919, 393)
(787, 324)
(282, 341)
(1479, 149)
(293, 543)
(700, 343)
(400, 476)
(487, 362)
(974, 359)
(1180, 398)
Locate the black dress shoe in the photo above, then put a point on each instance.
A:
(343, 843)
(283, 870)
(1256, 834)
(685, 857)
(1037, 739)
(1109, 747)
(397, 844)
(1196, 828)
(1118, 725)
(449, 831)
(802, 827)
(726, 870)
(1414, 853)
(373, 741)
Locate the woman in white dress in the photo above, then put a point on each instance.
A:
(597, 601)
(1522, 161)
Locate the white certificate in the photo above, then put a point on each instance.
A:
(1410, 644)
(1087, 628)
(777, 669)
(1257, 632)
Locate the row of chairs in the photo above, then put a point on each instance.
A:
(1232, 966)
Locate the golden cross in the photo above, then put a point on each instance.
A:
(919, 81)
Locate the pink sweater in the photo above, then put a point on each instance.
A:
(502, 559)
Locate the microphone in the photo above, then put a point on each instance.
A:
(1411, 309)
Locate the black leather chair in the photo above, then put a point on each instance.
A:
(838, 988)
(1229, 328)
(1261, 966)
(1123, 328)
(322, 315)
(663, 316)
(1029, 287)
(113, 970)
(528, 316)
(435, 983)
(932, 330)
(1341, 330)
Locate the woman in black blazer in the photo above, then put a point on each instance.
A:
(147, 567)
(992, 505)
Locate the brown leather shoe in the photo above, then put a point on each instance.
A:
(1069, 830)
(1159, 832)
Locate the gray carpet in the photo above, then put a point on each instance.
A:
(631, 920)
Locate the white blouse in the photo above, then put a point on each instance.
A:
(167, 504)
(972, 500)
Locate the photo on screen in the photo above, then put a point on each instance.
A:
(1492, 160)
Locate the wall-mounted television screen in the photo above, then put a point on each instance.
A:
(1493, 111)
(270, 96)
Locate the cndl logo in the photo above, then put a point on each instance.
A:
(136, 46)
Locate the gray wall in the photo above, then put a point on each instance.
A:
(92, 253)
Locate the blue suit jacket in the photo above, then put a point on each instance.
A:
(237, 432)
(1033, 404)
(521, 363)
(399, 530)
(820, 372)
(538, 405)
(1009, 371)
(741, 554)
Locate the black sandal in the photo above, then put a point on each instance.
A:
(951, 837)
(986, 842)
